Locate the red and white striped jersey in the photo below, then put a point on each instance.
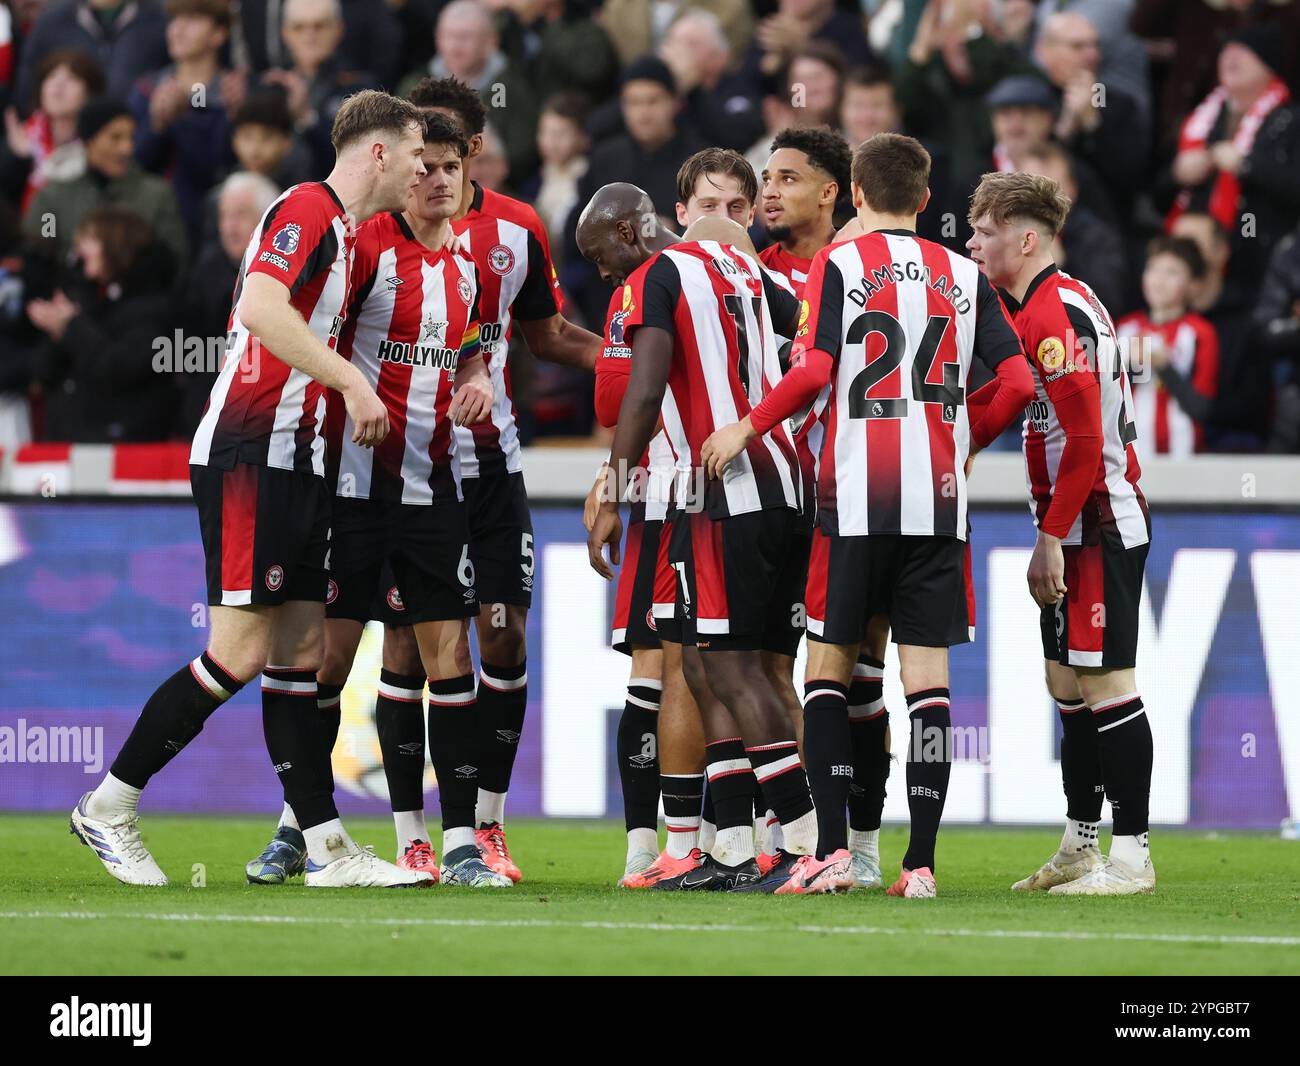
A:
(1164, 428)
(517, 281)
(412, 317)
(1070, 340)
(654, 494)
(719, 305)
(902, 319)
(261, 410)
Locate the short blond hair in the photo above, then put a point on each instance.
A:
(371, 111)
(1030, 197)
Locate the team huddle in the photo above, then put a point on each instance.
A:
(792, 436)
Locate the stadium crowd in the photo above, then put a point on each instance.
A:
(144, 139)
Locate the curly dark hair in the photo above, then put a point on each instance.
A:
(826, 150)
(454, 95)
(443, 129)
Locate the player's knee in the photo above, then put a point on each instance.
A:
(501, 634)
(401, 651)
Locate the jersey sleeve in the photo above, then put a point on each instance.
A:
(781, 302)
(298, 239)
(822, 311)
(539, 296)
(470, 344)
(995, 337)
(655, 288)
(614, 363)
(1062, 344)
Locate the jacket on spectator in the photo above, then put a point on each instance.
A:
(372, 37)
(630, 24)
(101, 384)
(330, 86)
(1095, 254)
(1277, 326)
(57, 210)
(136, 43)
(571, 53)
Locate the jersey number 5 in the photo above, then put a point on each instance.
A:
(949, 396)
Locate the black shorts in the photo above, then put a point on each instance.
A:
(740, 581)
(265, 533)
(917, 582)
(426, 547)
(500, 538)
(1096, 622)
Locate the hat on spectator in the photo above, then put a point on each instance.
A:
(1022, 90)
(650, 68)
(1265, 41)
(99, 113)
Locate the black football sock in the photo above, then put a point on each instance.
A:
(868, 724)
(781, 775)
(329, 700)
(638, 754)
(1080, 762)
(172, 717)
(731, 784)
(399, 721)
(502, 700)
(454, 748)
(929, 765)
(682, 797)
(828, 754)
(707, 813)
(1124, 740)
(291, 724)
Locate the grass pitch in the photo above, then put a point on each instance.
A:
(1226, 903)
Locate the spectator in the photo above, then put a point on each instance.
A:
(126, 40)
(97, 366)
(721, 104)
(242, 199)
(639, 26)
(800, 23)
(1277, 324)
(491, 167)
(951, 65)
(317, 79)
(814, 86)
(182, 129)
(1089, 247)
(1124, 63)
(111, 176)
(1238, 151)
(1236, 421)
(468, 48)
(263, 141)
(1173, 353)
(563, 145)
(1099, 123)
(45, 147)
(372, 36)
(560, 47)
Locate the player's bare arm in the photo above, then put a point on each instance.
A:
(652, 356)
(264, 308)
(471, 400)
(725, 230)
(557, 340)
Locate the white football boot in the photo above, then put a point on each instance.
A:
(362, 868)
(117, 843)
(865, 871)
(1061, 869)
(1115, 878)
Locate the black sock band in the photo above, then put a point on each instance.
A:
(781, 775)
(172, 717)
(868, 726)
(291, 724)
(731, 782)
(502, 701)
(1080, 762)
(929, 765)
(707, 813)
(828, 749)
(1127, 752)
(329, 700)
(682, 795)
(454, 748)
(399, 721)
(638, 754)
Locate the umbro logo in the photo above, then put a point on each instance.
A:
(466, 771)
(641, 760)
(393, 282)
(412, 747)
(508, 735)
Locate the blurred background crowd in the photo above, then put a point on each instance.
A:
(143, 139)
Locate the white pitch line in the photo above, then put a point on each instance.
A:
(662, 927)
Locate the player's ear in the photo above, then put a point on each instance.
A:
(681, 213)
(925, 201)
(857, 195)
(475, 146)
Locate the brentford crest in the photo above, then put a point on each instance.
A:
(275, 577)
(501, 259)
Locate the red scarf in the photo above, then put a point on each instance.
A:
(1226, 189)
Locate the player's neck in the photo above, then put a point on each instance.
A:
(466, 197)
(354, 190)
(808, 244)
(874, 220)
(1029, 269)
(433, 235)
